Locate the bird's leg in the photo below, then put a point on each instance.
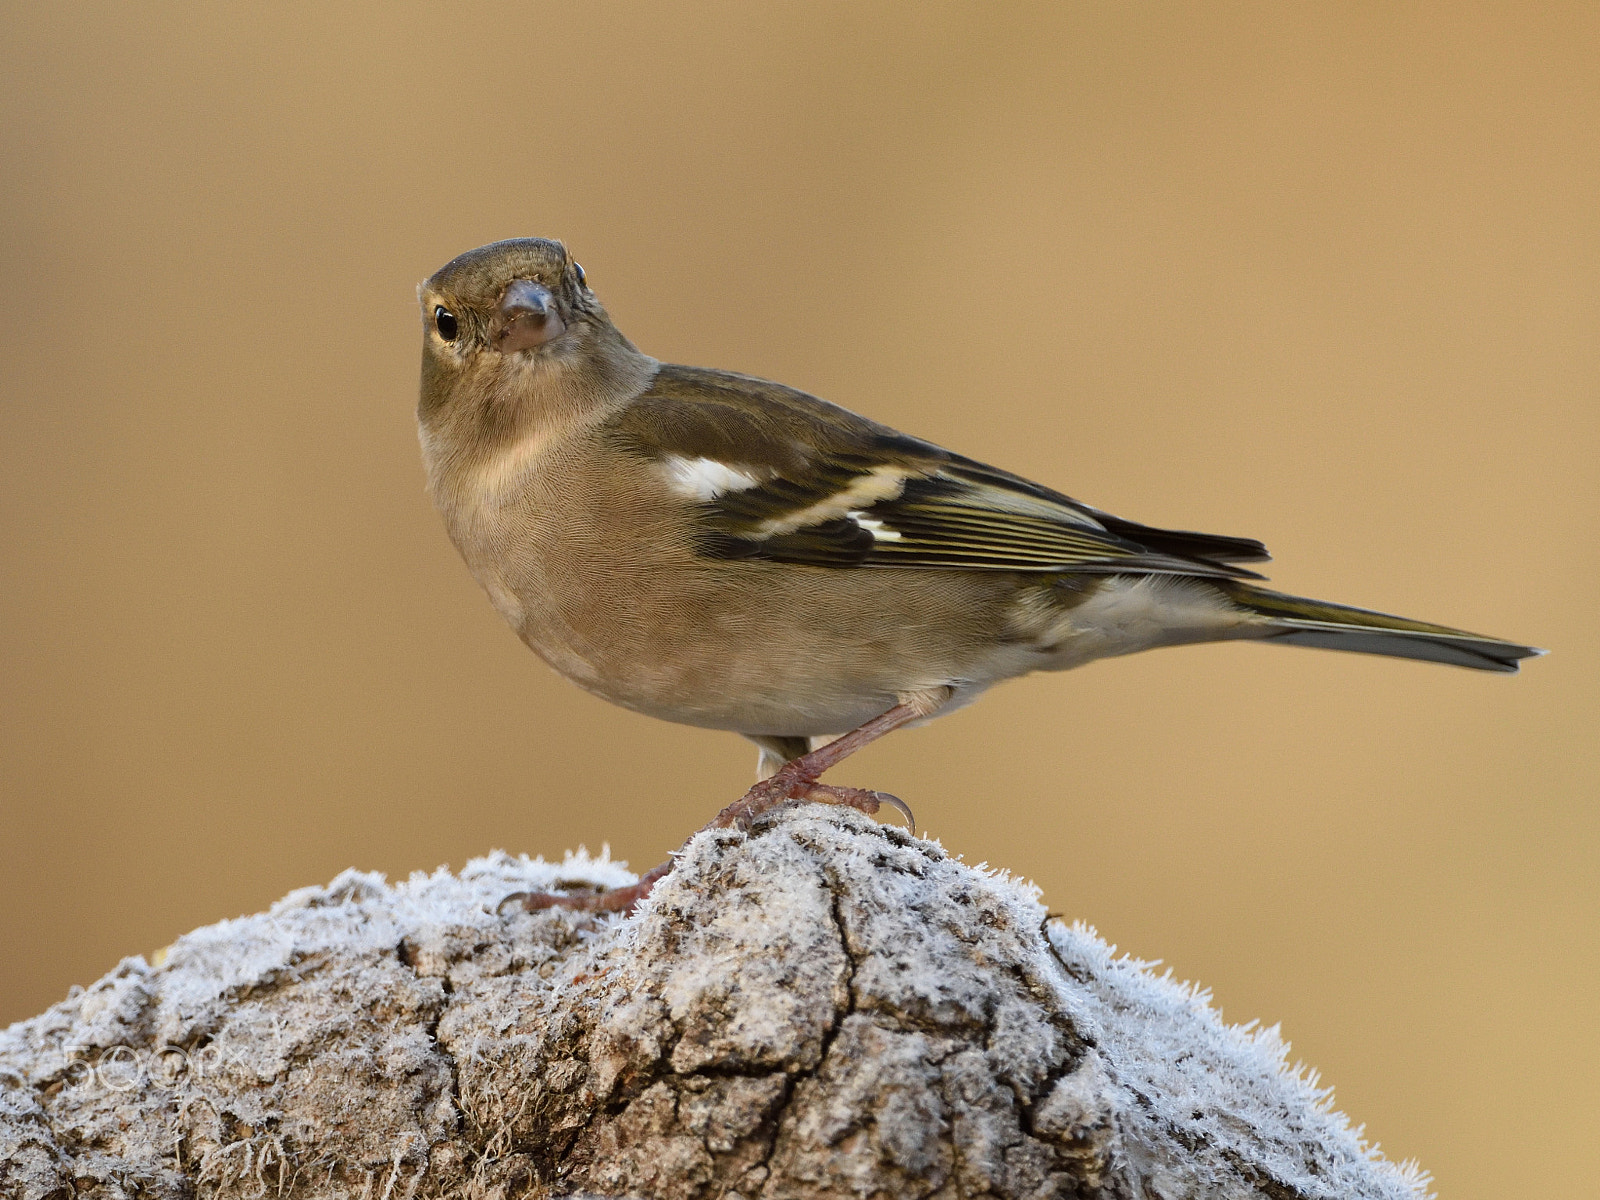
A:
(775, 751)
(795, 780)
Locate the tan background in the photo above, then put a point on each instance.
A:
(1327, 275)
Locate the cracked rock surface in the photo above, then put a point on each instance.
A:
(824, 1007)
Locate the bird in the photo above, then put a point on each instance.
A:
(723, 551)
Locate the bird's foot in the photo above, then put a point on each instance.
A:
(795, 780)
(784, 787)
(795, 784)
(620, 899)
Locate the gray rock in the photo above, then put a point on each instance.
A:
(823, 1008)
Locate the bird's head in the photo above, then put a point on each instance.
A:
(514, 323)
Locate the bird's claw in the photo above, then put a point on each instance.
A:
(861, 800)
(520, 897)
(901, 807)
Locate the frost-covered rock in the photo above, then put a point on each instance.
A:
(824, 1007)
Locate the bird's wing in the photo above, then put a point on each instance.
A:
(777, 474)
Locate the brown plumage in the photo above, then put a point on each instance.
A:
(724, 551)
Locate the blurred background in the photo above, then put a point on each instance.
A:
(1323, 274)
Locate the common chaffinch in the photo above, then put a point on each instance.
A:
(723, 551)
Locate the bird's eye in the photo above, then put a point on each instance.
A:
(577, 270)
(445, 322)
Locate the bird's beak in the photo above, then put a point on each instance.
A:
(526, 318)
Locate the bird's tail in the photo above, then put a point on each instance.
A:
(1297, 621)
